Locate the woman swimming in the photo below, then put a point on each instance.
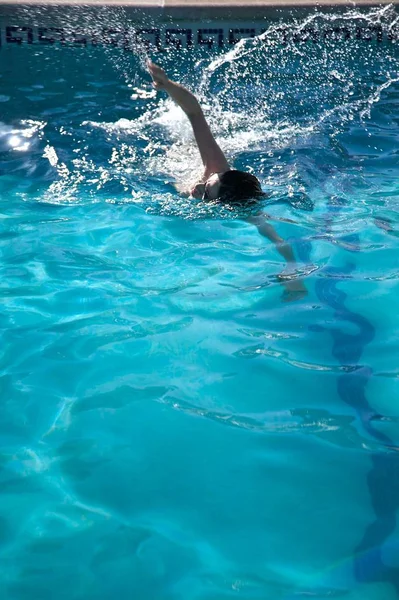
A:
(221, 183)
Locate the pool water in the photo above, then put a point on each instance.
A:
(173, 424)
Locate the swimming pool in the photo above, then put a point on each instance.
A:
(171, 427)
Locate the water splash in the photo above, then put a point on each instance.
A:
(294, 92)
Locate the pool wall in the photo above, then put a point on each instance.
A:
(176, 26)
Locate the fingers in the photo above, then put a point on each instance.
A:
(156, 70)
(158, 75)
(153, 67)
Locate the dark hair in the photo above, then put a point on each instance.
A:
(239, 187)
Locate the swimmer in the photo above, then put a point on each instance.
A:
(223, 184)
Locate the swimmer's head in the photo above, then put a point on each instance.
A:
(235, 187)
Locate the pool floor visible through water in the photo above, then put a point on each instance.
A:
(175, 424)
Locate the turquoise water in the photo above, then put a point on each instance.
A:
(171, 427)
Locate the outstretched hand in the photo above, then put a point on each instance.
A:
(159, 77)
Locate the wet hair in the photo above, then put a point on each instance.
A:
(238, 187)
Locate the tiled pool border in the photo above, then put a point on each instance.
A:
(18, 27)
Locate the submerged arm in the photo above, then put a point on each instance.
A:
(211, 154)
(288, 277)
(271, 234)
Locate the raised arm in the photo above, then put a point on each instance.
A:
(212, 156)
